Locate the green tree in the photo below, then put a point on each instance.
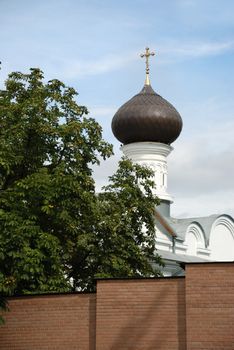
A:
(123, 241)
(56, 233)
(3, 308)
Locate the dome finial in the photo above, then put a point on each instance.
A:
(147, 54)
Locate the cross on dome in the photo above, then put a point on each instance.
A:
(147, 54)
(147, 117)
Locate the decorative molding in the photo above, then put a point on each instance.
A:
(180, 247)
(147, 150)
(203, 252)
(163, 243)
(198, 232)
(153, 155)
(226, 221)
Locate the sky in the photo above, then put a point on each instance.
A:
(95, 45)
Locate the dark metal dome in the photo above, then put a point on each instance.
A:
(147, 117)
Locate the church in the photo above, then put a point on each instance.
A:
(192, 310)
(146, 126)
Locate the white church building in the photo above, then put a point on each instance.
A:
(146, 126)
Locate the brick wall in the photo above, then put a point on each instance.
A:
(50, 322)
(210, 306)
(141, 314)
(196, 312)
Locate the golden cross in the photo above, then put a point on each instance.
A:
(147, 54)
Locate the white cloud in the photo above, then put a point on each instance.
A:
(102, 111)
(203, 205)
(201, 173)
(170, 52)
(106, 169)
(102, 65)
(179, 50)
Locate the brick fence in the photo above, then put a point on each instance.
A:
(196, 312)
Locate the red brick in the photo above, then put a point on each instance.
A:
(195, 313)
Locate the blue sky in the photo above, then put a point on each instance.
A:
(94, 46)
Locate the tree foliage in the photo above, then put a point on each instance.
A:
(3, 308)
(56, 233)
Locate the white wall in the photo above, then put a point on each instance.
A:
(222, 240)
(191, 242)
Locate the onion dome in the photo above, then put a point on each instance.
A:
(147, 117)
